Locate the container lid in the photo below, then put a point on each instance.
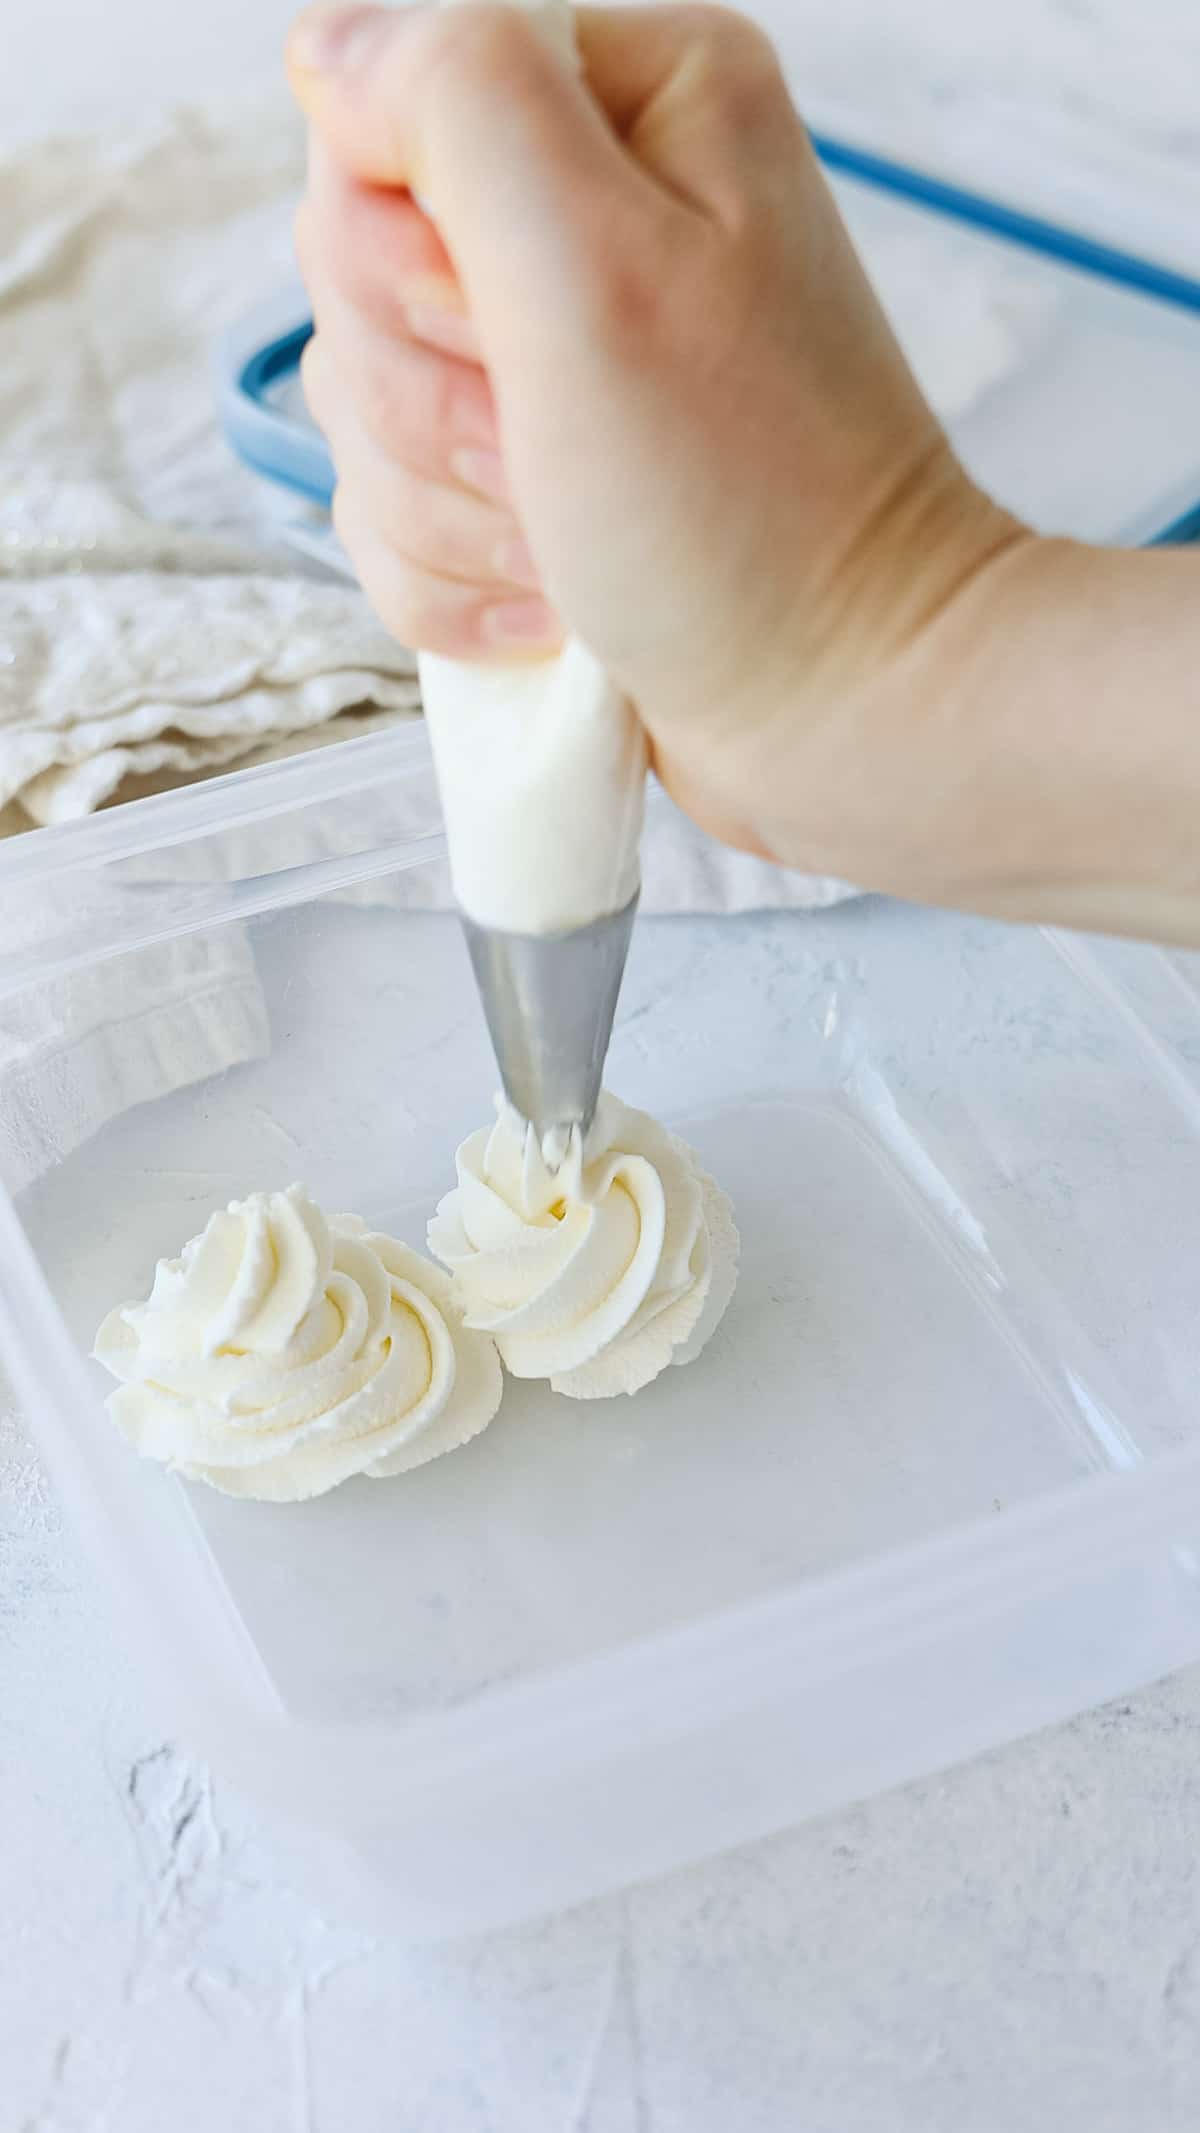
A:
(1065, 366)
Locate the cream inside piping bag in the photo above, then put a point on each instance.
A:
(541, 767)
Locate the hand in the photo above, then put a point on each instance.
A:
(635, 381)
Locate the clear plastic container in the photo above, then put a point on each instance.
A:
(936, 1482)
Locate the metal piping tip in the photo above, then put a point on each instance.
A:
(550, 1002)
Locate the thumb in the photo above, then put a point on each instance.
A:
(478, 114)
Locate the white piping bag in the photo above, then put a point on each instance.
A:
(542, 766)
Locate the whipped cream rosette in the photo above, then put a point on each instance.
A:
(597, 1272)
(282, 1353)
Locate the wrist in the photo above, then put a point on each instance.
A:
(1053, 739)
(876, 758)
(1079, 698)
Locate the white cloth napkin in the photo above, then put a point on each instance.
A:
(151, 621)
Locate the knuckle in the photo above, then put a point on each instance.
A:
(370, 296)
(422, 612)
(417, 406)
(441, 413)
(351, 248)
(380, 404)
(629, 310)
(443, 533)
(416, 605)
(399, 407)
(482, 45)
(626, 297)
(428, 536)
(733, 35)
(741, 65)
(461, 541)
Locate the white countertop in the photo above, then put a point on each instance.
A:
(1015, 1945)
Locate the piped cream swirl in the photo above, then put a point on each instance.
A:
(595, 1273)
(282, 1353)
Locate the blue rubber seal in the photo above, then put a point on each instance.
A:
(294, 455)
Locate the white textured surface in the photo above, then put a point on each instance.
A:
(1013, 1946)
(1016, 1945)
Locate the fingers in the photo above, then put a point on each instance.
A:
(431, 413)
(421, 503)
(683, 88)
(399, 97)
(687, 89)
(387, 310)
(382, 251)
(440, 614)
(397, 91)
(442, 527)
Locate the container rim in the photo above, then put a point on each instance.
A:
(237, 799)
(844, 1618)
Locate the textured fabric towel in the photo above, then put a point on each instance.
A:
(151, 621)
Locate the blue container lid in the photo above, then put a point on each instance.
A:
(1099, 435)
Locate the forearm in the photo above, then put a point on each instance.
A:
(1028, 746)
(1066, 682)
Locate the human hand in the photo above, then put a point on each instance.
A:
(635, 378)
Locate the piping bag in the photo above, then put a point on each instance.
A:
(542, 772)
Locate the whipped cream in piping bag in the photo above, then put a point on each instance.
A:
(596, 1272)
(542, 775)
(282, 1353)
(542, 766)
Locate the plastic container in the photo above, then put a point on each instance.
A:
(938, 1479)
(936, 1482)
